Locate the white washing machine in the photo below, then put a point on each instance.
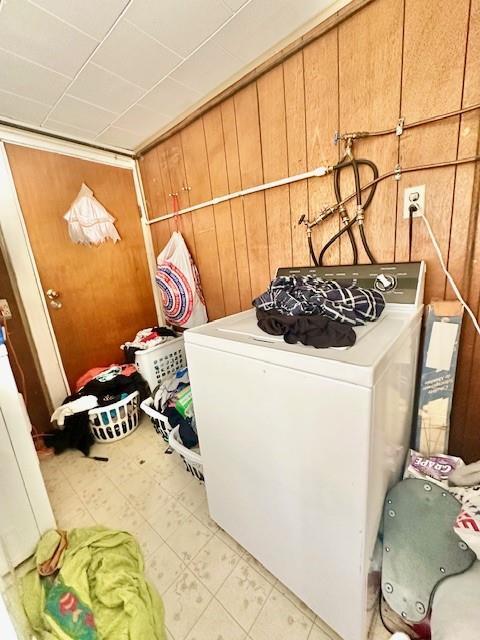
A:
(301, 445)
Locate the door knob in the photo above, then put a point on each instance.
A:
(53, 296)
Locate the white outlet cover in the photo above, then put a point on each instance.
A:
(417, 195)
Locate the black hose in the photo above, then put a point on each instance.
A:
(358, 194)
(356, 176)
(312, 252)
(374, 169)
(363, 236)
(365, 244)
(334, 238)
(354, 245)
(338, 196)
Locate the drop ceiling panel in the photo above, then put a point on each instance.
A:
(81, 114)
(105, 89)
(68, 129)
(216, 65)
(19, 108)
(141, 120)
(264, 23)
(182, 26)
(94, 17)
(120, 71)
(135, 56)
(120, 138)
(170, 97)
(235, 4)
(36, 35)
(29, 80)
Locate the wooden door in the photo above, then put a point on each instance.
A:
(104, 290)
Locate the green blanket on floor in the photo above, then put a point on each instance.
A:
(99, 592)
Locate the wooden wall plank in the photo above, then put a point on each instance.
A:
(434, 55)
(464, 254)
(273, 131)
(178, 179)
(154, 179)
(370, 71)
(212, 122)
(251, 172)
(297, 154)
(428, 52)
(321, 112)
(168, 189)
(196, 169)
(238, 217)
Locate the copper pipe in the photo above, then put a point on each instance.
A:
(421, 167)
(370, 134)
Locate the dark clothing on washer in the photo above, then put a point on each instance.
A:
(308, 295)
(316, 330)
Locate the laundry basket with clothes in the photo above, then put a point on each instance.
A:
(98, 387)
(171, 405)
(170, 408)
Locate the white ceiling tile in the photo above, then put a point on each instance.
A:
(104, 89)
(19, 108)
(82, 115)
(120, 138)
(30, 32)
(264, 24)
(141, 120)
(27, 79)
(170, 97)
(91, 16)
(68, 129)
(235, 4)
(254, 29)
(207, 68)
(135, 56)
(292, 16)
(180, 25)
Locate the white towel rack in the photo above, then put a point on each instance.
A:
(314, 173)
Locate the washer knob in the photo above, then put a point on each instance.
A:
(385, 282)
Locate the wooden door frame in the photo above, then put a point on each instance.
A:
(14, 232)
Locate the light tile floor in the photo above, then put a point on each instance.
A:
(211, 587)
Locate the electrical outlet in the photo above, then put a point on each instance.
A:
(416, 196)
(5, 310)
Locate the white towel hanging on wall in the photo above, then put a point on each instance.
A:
(88, 220)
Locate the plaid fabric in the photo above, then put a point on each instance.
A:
(307, 295)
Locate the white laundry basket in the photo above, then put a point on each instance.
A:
(192, 460)
(157, 363)
(159, 421)
(115, 421)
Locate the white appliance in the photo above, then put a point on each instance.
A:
(301, 445)
(25, 511)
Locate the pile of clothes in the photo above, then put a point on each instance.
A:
(146, 339)
(98, 387)
(89, 584)
(316, 312)
(173, 399)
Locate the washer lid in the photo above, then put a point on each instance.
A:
(359, 364)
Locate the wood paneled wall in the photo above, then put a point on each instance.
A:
(392, 58)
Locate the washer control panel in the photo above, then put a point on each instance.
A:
(398, 282)
(385, 282)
